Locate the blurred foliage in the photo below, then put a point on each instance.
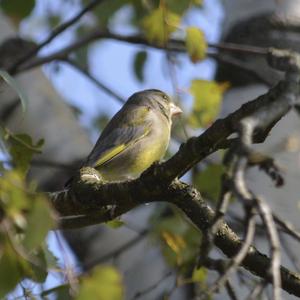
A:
(21, 148)
(17, 9)
(195, 44)
(178, 238)
(159, 24)
(106, 11)
(25, 220)
(13, 84)
(207, 101)
(25, 216)
(100, 122)
(115, 223)
(139, 63)
(208, 181)
(104, 283)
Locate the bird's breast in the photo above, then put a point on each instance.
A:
(139, 156)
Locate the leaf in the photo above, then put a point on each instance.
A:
(22, 149)
(40, 221)
(139, 63)
(51, 259)
(195, 44)
(207, 101)
(106, 10)
(174, 241)
(12, 197)
(104, 283)
(197, 2)
(159, 24)
(179, 240)
(208, 182)
(62, 292)
(178, 7)
(10, 271)
(115, 223)
(199, 275)
(54, 20)
(13, 83)
(17, 9)
(37, 271)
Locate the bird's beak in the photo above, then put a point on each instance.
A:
(175, 110)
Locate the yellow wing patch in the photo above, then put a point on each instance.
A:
(111, 154)
(118, 149)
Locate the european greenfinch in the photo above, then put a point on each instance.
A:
(136, 137)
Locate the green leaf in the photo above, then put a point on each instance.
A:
(37, 271)
(22, 149)
(51, 259)
(195, 44)
(207, 101)
(106, 10)
(17, 9)
(197, 2)
(39, 221)
(115, 223)
(12, 82)
(104, 283)
(54, 20)
(178, 7)
(10, 271)
(139, 63)
(208, 182)
(179, 241)
(62, 292)
(12, 197)
(159, 24)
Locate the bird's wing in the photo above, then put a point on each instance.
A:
(123, 131)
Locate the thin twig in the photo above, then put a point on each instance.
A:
(119, 250)
(287, 227)
(97, 82)
(256, 292)
(69, 270)
(230, 290)
(238, 258)
(152, 287)
(173, 45)
(58, 30)
(268, 220)
(293, 257)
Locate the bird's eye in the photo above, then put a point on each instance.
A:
(165, 97)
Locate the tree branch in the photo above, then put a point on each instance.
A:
(174, 45)
(188, 199)
(88, 195)
(58, 30)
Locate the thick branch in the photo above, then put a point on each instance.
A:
(188, 199)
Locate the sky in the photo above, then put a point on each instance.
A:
(111, 62)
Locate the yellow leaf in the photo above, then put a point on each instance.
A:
(104, 283)
(115, 223)
(198, 2)
(174, 241)
(195, 44)
(199, 275)
(207, 101)
(159, 25)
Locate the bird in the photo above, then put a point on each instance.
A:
(137, 136)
